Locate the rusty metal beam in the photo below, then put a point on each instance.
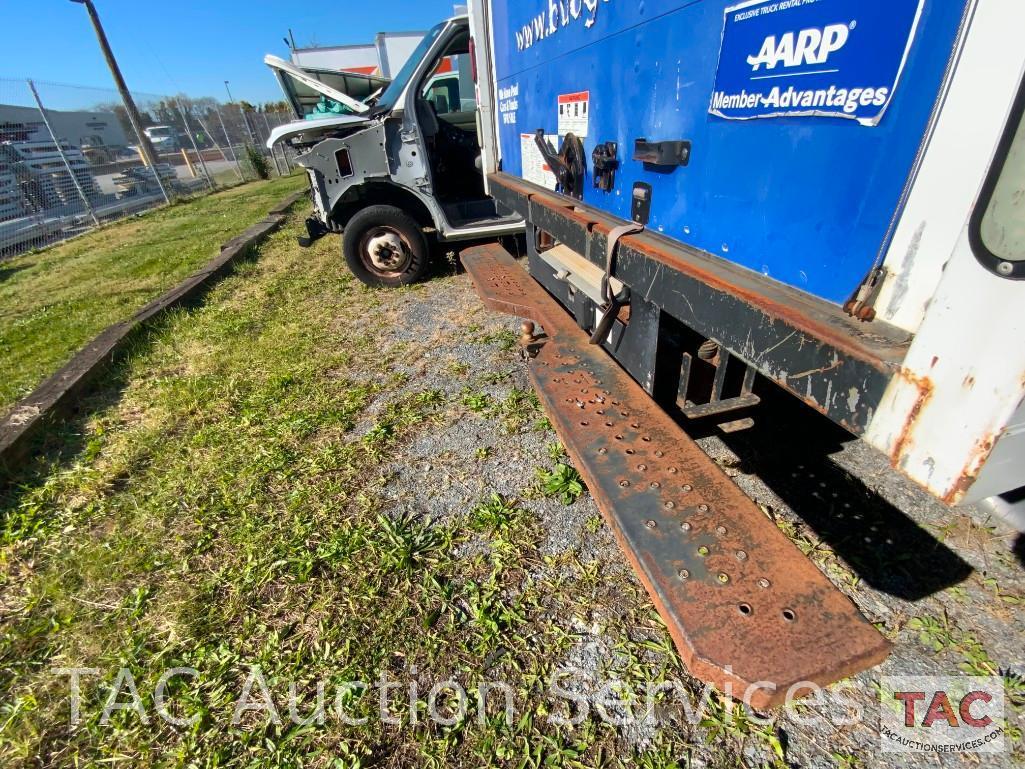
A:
(746, 609)
(837, 365)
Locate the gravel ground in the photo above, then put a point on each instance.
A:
(899, 554)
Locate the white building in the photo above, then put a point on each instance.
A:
(76, 128)
(383, 58)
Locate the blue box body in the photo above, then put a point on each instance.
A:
(808, 199)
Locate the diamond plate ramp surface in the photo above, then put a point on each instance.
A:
(747, 610)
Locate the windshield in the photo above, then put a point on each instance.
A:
(398, 85)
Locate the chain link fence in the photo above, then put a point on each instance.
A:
(69, 157)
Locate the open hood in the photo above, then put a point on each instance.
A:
(321, 93)
(310, 129)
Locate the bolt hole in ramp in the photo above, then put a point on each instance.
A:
(747, 610)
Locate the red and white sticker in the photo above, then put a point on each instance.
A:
(535, 169)
(574, 113)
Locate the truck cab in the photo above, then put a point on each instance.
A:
(401, 169)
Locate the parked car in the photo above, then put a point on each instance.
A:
(164, 138)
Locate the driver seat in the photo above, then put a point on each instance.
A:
(427, 117)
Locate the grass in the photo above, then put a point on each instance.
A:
(562, 481)
(55, 300)
(223, 508)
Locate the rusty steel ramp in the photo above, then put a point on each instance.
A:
(744, 606)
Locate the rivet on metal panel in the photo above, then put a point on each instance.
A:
(603, 451)
(655, 485)
(763, 582)
(789, 615)
(669, 505)
(687, 487)
(741, 555)
(624, 483)
(703, 551)
(745, 609)
(720, 530)
(642, 467)
(658, 454)
(685, 526)
(723, 578)
(650, 524)
(683, 574)
(702, 508)
(673, 471)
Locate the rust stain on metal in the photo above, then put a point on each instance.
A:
(703, 269)
(976, 459)
(925, 389)
(821, 370)
(744, 606)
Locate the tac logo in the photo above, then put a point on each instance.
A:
(809, 46)
(942, 714)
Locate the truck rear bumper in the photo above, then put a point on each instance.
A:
(834, 363)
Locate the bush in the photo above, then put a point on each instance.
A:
(258, 162)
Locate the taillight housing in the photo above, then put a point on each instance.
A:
(473, 60)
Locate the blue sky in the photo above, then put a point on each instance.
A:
(189, 46)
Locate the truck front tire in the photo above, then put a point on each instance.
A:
(384, 246)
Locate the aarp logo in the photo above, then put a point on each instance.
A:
(942, 714)
(808, 46)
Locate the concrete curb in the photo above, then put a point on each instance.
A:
(58, 394)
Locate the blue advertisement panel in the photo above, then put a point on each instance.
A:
(805, 201)
(829, 58)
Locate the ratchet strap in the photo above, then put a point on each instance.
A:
(612, 303)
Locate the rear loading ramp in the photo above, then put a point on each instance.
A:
(749, 613)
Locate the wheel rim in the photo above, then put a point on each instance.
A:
(385, 251)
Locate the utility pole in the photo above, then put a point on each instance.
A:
(126, 97)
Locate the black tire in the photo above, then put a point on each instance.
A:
(384, 246)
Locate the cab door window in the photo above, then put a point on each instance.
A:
(998, 226)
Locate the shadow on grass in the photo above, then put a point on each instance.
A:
(6, 272)
(789, 449)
